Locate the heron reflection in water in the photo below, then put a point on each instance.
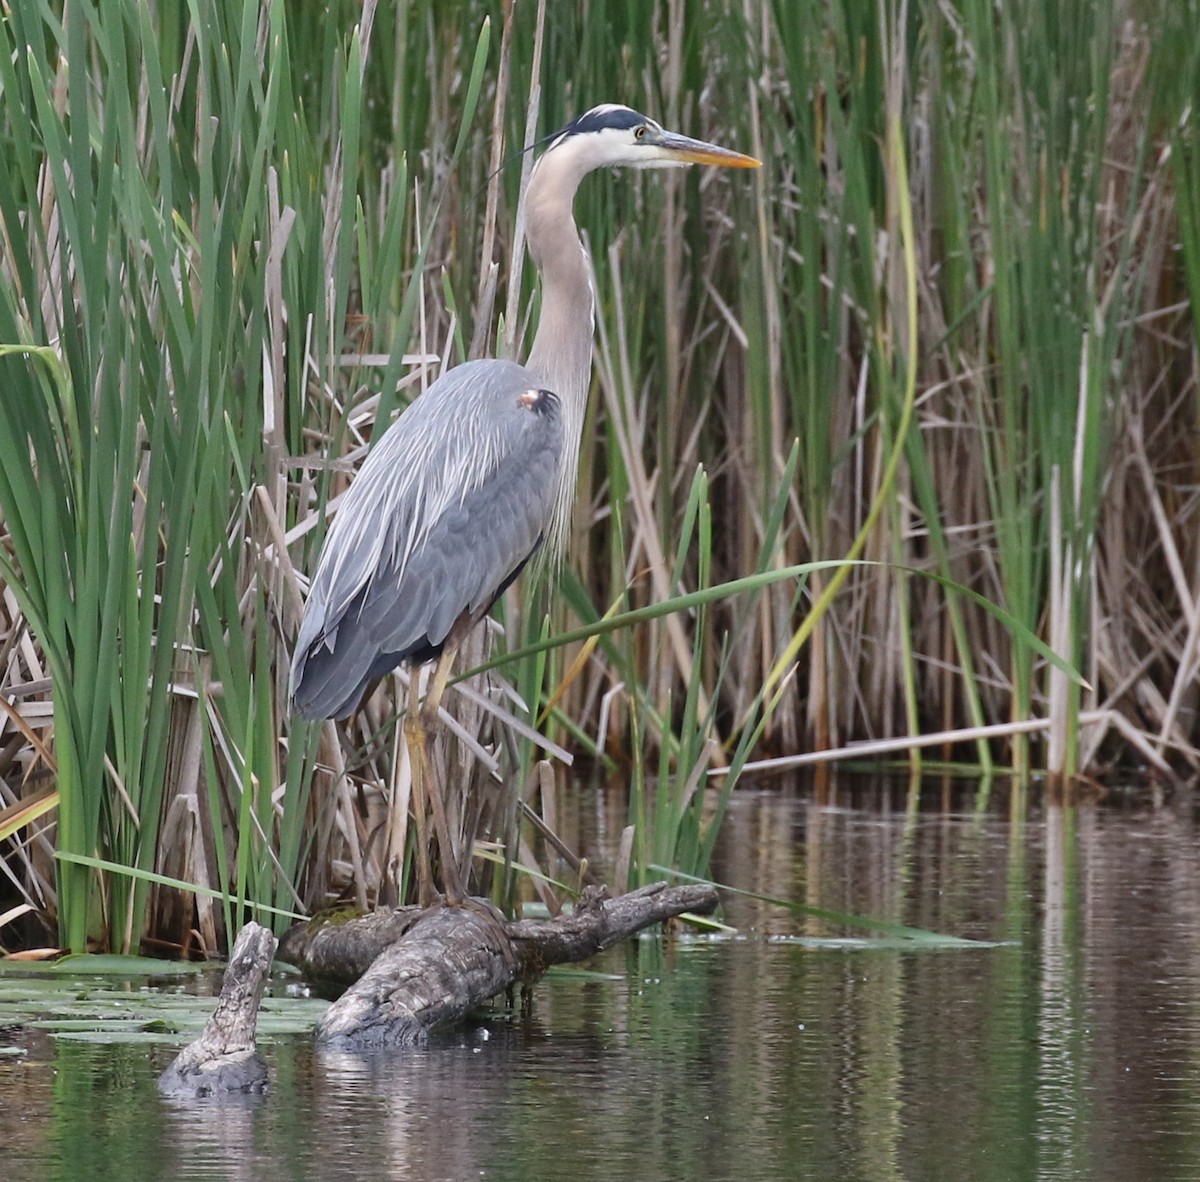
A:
(474, 476)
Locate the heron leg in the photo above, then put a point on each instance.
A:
(451, 875)
(415, 740)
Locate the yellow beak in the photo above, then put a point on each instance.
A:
(690, 151)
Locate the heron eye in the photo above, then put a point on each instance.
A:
(640, 133)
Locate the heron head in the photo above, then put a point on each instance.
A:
(616, 136)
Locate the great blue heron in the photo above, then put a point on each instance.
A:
(472, 478)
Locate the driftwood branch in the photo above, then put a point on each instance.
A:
(223, 1058)
(422, 971)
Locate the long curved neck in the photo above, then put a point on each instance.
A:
(561, 354)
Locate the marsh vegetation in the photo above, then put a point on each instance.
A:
(950, 333)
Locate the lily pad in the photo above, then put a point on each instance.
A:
(116, 1000)
(73, 1025)
(88, 965)
(110, 1037)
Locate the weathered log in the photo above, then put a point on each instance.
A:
(223, 1059)
(449, 960)
(339, 946)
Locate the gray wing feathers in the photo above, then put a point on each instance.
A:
(449, 504)
(465, 559)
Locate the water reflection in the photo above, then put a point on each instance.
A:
(215, 1136)
(1071, 1049)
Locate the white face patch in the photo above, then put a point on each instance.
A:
(612, 121)
(610, 147)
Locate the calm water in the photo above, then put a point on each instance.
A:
(1072, 1051)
